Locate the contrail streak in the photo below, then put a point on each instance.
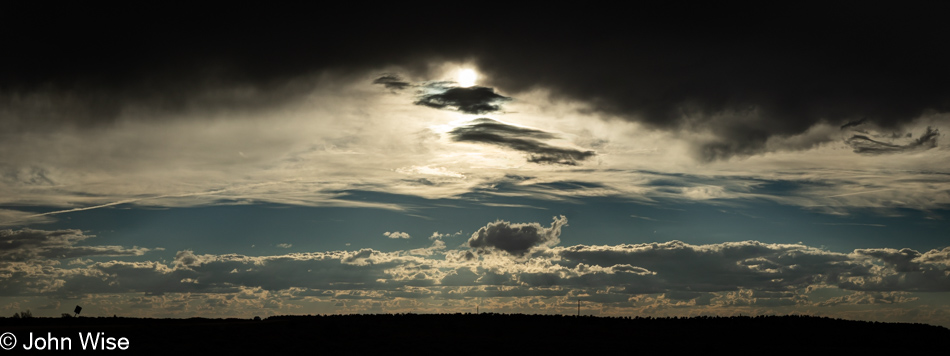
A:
(126, 201)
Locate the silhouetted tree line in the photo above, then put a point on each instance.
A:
(465, 333)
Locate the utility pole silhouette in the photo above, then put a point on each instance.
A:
(578, 307)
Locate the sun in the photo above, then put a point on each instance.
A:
(467, 77)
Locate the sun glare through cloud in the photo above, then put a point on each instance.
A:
(467, 77)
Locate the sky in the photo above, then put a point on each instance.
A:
(255, 162)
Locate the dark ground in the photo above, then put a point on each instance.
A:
(484, 333)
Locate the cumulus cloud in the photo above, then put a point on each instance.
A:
(437, 245)
(474, 100)
(187, 258)
(518, 138)
(670, 274)
(516, 239)
(903, 260)
(903, 270)
(226, 273)
(936, 257)
(396, 235)
(769, 271)
(859, 298)
(716, 267)
(438, 236)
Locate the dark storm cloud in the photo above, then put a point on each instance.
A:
(72, 66)
(447, 95)
(522, 139)
(866, 145)
(743, 79)
(391, 81)
(472, 100)
(491, 127)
